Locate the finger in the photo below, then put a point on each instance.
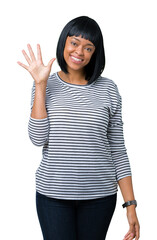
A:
(126, 237)
(39, 55)
(127, 234)
(137, 236)
(31, 52)
(51, 62)
(132, 229)
(130, 237)
(26, 57)
(23, 65)
(137, 232)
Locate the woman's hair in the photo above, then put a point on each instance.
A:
(89, 29)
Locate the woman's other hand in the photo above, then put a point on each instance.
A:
(36, 68)
(134, 230)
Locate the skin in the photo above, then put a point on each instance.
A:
(80, 48)
(40, 74)
(126, 188)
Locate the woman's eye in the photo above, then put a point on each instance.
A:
(73, 43)
(89, 49)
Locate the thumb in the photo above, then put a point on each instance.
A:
(51, 62)
(132, 230)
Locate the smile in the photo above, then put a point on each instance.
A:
(76, 59)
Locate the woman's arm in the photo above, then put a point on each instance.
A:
(40, 74)
(121, 161)
(126, 188)
(39, 109)
(38, 126)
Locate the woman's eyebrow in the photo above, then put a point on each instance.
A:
(89, 44)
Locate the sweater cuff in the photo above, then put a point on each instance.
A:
(122, 164)
(38, 130)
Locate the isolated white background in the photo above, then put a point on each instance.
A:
(129, 30)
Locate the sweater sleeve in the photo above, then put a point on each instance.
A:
(38, 129)
(116, 140)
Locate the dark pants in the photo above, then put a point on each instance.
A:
(75, 219)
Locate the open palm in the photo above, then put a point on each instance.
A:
(36, 68)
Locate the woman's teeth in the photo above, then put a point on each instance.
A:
(77, 59)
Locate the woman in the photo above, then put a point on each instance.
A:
(76, 117)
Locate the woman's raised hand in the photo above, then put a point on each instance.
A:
(36, 68)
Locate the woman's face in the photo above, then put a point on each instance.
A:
(77, 52)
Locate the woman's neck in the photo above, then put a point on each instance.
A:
(73, 77)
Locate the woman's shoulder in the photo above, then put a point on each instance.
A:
(112, 92)
(108, 83)
(107, 80)
(52, 75)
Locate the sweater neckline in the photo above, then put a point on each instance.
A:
(73, 85)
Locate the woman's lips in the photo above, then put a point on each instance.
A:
(76, 59)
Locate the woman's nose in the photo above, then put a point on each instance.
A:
(79, 50)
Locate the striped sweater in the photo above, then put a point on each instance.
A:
(84, 153)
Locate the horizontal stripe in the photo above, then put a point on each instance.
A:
(84, 153)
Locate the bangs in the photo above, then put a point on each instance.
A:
(87, 29)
